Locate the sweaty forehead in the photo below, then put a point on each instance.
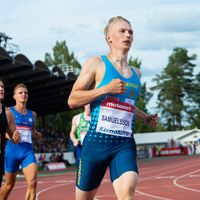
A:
(21, 89)
(118, 24)
(1, 83)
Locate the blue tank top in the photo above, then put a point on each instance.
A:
(113, 114)
(24, 124)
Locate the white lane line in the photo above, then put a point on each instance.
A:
(153, 196)
(49, 188)
(165, 177)
(162, 174)
(195, 176)
(184, 187)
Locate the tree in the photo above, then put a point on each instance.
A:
(59, 121)
(194, 109)
(142, 101)
(175, 87)
(62, 57)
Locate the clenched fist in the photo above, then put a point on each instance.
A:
(116, 86)
(16, 137)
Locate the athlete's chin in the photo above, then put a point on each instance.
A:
(24, 101)
(126, 48)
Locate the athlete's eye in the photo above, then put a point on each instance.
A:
(130, 32)
(122, 30)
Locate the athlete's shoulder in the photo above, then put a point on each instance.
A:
(8, 110)
(34, 113)
(93, 61)
(9, 114)
(137, 70)
(76, 118)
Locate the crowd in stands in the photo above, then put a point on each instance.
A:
(53, 158)
(52, 141)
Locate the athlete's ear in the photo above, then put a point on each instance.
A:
(14, 96)
(109, 39)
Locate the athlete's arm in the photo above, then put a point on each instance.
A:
(12, 133)
(36, 135)
(137, 71)
(84, 91)
(150, 120)
(73, 131)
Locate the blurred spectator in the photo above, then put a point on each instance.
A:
(51, 141)
(53, 157)
(42, 160)
(194, 148)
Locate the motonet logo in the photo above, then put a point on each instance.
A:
(120, 106)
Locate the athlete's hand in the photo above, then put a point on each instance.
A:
(16, 137)
(37, 135)
(152, 120)
(116, 86)
(75, 142)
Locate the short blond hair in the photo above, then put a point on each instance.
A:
(20, 85)
(111, 21)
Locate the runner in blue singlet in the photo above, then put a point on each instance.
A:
(22, 153)
(111, 87)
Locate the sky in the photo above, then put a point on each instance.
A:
(159, 26)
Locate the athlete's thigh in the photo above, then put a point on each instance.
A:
(10, 178)
(11, 162)
(85, 195)
(123, 172)
(30, 172)
(93, 163)
(125, 160)
(28, 159)
(125, 185)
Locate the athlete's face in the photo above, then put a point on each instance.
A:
(2, 91)
(21, 95)
(120, 35)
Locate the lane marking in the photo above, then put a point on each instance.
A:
(184, 187)
(49, 188)
(165, 177)
(149, 195)
(194, 176)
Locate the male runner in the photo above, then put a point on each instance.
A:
(111, 87)
(22, 153)
(80, 127)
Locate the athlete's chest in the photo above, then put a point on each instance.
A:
(23, 120)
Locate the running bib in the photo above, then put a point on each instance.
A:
(25, 133)
(115, 118)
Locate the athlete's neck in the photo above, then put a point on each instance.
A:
(118, 59)
(86, 115)
(21, 107)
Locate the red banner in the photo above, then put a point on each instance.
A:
(172, 151)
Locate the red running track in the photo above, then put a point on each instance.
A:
(171, 178)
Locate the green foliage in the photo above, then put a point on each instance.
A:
(175, 86)
(59, 121)
(61, 57)
(142, 101)
(194, 109)
(134, 62)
